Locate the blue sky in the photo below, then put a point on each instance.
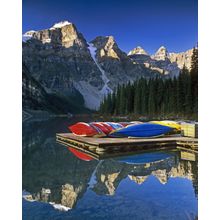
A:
(146, 23)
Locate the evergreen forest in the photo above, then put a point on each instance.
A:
(158, 97)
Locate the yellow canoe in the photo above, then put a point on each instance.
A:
(168, 123)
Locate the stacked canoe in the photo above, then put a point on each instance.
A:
(124, 129)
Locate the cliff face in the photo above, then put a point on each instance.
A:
(60, 60)
(33, 94)
(35, 97)
(117, 66)
(161, 54)
(182, 59)
(169, 64)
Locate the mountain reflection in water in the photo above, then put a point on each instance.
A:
(54, 179)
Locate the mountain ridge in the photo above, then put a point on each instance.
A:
(62, 61)
(165, 62)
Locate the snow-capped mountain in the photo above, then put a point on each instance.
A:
(63, 62)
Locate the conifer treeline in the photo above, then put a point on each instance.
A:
(157, 96)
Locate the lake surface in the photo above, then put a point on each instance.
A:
(59, 185)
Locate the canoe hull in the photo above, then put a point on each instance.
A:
(171, 124)
(101, 126)
(85, 130)
(141, 131)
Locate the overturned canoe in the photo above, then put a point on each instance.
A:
(141, 130)
(104, 128)
(94, 129)
(86, 130)
(168, 123)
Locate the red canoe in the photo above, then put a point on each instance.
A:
(96, 129)
(86, 130)
(110, 128)
(102, 126)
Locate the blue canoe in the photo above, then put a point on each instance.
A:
(141, 130)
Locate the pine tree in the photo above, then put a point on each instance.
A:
(137, 97)
(181, 92)
(194, 80)
(129, 98)
(187, 91)
(160, 96)
(117, 101)
(109, 104)
(113, 102)
(122, 101)
(151, 98)
(170, 96)
(174, 93)
(188, 96)
(144, 95)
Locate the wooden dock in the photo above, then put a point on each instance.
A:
(103, 147)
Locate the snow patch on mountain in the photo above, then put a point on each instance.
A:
(91, 94)
(28, 35)
(137, 51)
(60, 24)
(106, 89)
(60, 207)
(25, 38)
(161, 54)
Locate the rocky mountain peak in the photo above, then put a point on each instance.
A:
(106, 46)
(161, 53)
(106, 42)
(62, 33)
(182, 59)
(110, 42)
(110, 39)
(137, 51)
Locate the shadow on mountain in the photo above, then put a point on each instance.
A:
(35, 97)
